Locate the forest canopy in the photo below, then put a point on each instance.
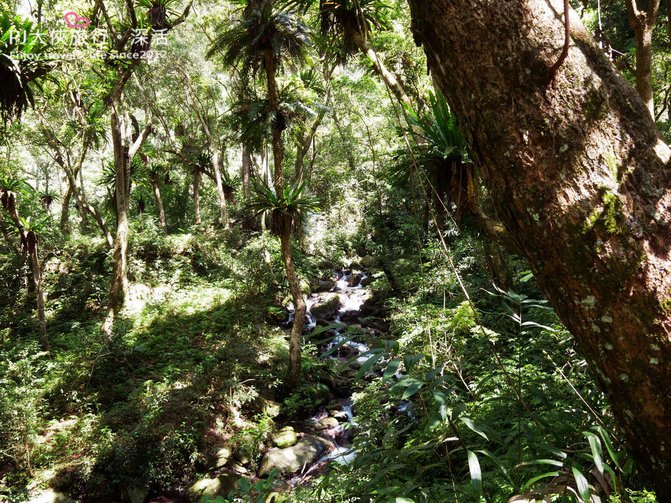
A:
(335, 250)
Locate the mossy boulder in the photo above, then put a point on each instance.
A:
(222, 456)
(286, 437)
(213, 487)
(327, 423)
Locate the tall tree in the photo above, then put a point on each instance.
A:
(126, 136)
(642, 19)
(580, 179)
(266, 38)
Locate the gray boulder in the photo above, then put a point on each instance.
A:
(293, 459)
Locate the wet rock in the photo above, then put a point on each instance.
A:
(286, 437)
(326, 309)
(369, 308)
(366, 281)
(327, 423)
(355, 279)
(267, 407)
(276, 315)
(325, 285)
(213, 487)
(293, 459)
(136, 492)
(340, 415)
(350, 317)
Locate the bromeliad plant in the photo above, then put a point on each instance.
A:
(292, 203)
(442, 155)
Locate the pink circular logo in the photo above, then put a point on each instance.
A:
(74, 20)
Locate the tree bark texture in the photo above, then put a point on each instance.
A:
(246, 171)
(581, 182)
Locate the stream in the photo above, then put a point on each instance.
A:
(338, 310)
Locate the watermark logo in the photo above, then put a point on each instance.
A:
(75, 21)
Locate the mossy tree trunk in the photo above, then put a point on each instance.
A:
(580, 180)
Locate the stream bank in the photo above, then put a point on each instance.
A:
(342, 320)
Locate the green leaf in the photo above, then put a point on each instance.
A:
(391, 369)
(476, 472)
(375, 357)
(535, 479)
(609, 446)
(412, 389)
(597, 453)
(472, 426)
(321, 330)
(582, 484)
(552, 462)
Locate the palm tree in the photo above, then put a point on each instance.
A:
(266, 39)
(349, 23)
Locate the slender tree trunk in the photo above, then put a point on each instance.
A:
(273, 100)
(65, 211)
(29, 244)
(196, 195)
(299, 302)
(156, 189)
(38, 282)
(246, 171)
(390, 80)
(643, 23)
(85, 207)
(122, 185)
(223, 207)
(579, 178)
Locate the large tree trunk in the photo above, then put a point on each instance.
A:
(125, 148)
(643, 23)
(582, 183)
